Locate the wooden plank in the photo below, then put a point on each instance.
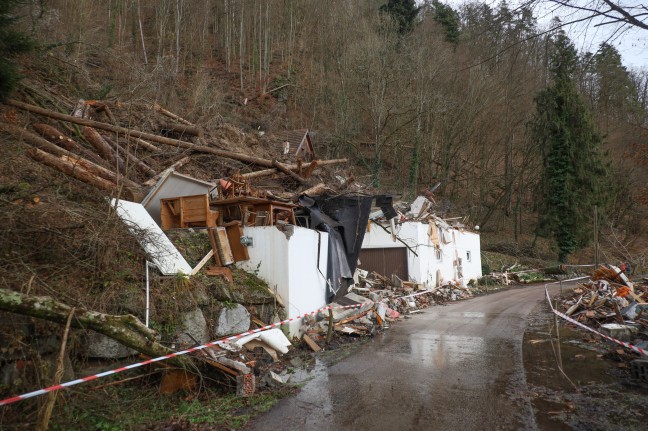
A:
(212, 239)
(224, 249)
(312, 344)
(234, 234)
(202, 263)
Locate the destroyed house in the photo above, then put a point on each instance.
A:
(293, 144)
(423, 249)
(306, 252)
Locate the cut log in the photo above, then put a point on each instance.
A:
(53, 135)
(102, 172)
(306, 166)
(142, 143)
(103, 148)
(132, 158)
(71, 169)
(43, 144)
(126, 329)
(288, 172)
(182, 129)
(170, 114)
(134, 133)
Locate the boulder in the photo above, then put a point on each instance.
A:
(231, 320)
(193, 323)
(100, 346)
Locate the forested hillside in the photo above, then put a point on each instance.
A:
(416, 94)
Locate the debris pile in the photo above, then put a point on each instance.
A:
(612, 304)
(377, 302)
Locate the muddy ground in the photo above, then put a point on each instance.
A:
(597, 391)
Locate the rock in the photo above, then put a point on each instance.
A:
(620, 332)
(273, 379)
(100, 346)
(193, 323)
(232, 320)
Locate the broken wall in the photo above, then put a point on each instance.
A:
(295, 261)
(423, 266)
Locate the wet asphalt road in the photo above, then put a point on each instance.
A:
(453, 367)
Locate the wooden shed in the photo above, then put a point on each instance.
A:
(293, 144)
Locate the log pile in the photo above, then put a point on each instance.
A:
(109, 156)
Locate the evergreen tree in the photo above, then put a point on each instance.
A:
(573, 174)
(448, 18)
(12, 43)
(403, 12)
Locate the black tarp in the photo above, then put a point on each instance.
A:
(345, 219)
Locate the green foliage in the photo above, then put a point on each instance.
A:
(448, 18)
(574, 176)
(616, 93)
(12, 43)
(403, 12)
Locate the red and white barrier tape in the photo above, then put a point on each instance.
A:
(614, 340)
(162, 358)
(182, 352)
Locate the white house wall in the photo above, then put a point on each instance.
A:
(290, 262)
(470, 242)
(423, 267)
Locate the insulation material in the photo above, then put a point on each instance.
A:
(433, 233)
(164, 255)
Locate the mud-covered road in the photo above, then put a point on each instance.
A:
(453, 367)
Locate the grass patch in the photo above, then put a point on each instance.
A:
(139, 408)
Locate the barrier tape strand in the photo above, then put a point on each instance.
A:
(614, 340)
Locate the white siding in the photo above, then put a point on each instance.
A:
(423, 266)
(290, 264)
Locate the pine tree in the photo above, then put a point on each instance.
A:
(448, 18)
(12, 43)
(403, 12)
(574, 174)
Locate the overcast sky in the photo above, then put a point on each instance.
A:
(632, 42)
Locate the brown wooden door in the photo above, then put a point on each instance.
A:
(385, 261)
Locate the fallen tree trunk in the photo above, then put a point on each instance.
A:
(70, 169)
(103, 148)
(288, 172)
(182, 129)
(171, 115)
(306, 166)
(54, 135)
(104, 173)
(143, 135)
(316, 190)
(43, 144)
(146, 145)
(126, 329)
(130, 157)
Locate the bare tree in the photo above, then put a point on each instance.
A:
(611, 12)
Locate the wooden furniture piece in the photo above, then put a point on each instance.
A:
(247, 209)
(187, 211)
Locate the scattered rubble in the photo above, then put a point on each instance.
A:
(612, 304)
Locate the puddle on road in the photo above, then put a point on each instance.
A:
(601, 396)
